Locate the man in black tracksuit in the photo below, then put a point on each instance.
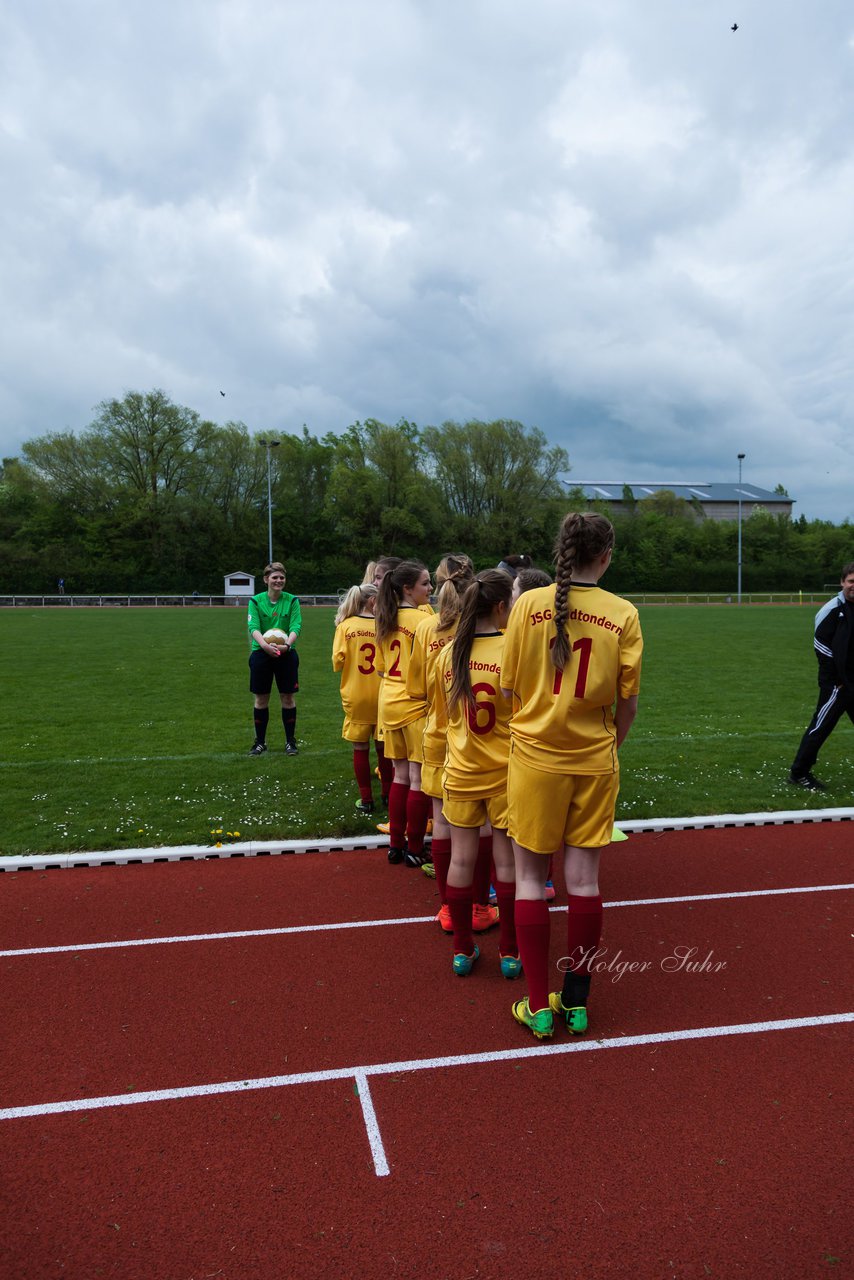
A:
(834, 647)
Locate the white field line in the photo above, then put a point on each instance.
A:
(363, 1072)
(274, 848)
(401, 920)
(372, 1127)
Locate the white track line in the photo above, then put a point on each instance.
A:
(401, 920)
(372, 1126)
(417, 1064)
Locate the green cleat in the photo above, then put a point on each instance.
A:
(576, 1017)
(464, 964)
(511, 967)
(541, 1022)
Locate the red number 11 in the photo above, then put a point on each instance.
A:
(583, 647)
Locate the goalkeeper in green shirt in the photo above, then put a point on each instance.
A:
(274, 609)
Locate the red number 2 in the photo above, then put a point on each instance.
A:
(394, 669)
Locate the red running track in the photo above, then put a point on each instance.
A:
(628, 1154)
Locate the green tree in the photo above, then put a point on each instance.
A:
(379, 498)
(498, 481)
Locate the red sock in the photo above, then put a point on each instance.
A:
(583, 931)
(460, 904)
(362, 770)
(440, 852)
(532, 933)
(397, 798)
(418, 808)
(386, 769)
(506, 894)
(483, 871)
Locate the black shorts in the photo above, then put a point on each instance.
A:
(263, 670)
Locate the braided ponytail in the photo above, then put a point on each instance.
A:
(582, 539)
(454, 574)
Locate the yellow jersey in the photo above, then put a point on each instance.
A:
(354, 652)
(393, 656)
(478, 738)
(563, 720)
(423, 681)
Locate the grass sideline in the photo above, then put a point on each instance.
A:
(133, 727)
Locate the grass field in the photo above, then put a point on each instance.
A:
(130, 727)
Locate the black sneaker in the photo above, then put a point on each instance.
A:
(291, 749)
(807, 781)
(365, 807)
(395, 855)
(415, 859)
(258, 748)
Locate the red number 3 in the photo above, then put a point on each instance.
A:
(369, 651)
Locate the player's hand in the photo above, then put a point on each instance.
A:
(272, 649)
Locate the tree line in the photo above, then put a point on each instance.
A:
(152, 498)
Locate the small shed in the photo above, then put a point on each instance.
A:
(239, 584)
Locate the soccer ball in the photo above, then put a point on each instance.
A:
(275, 636)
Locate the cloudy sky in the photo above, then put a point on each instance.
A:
(618, 221)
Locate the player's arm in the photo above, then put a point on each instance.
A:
(295, 620)
(255, 632)
(339, 649)
(624, 715)
(510, 653)
(416, 675)
(825, 630)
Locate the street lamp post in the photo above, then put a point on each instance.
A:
(741, 458)
(269, 445)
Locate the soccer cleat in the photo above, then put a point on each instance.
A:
(464, 964)
(258, 748)
(395, 855)
(550, 891)
(429, 870)
(384, 828)
(443, 915)
(541, 1023)
(415, 859)
(807, 781)
(576, 1017)
(365, 807)
(511, 967)
(291, 749)
(493, 896)
(483, 918)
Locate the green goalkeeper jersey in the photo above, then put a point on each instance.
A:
(285, 614)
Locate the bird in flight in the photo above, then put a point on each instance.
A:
(222, 393)
(734, 27)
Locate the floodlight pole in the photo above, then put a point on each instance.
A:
(741, 458)
(269, 445)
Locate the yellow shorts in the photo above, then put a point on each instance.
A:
(465, 811)
(405, 743)
(549, 810)
(357, 731)
(431, 779)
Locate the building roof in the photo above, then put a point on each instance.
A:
(612, 491)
